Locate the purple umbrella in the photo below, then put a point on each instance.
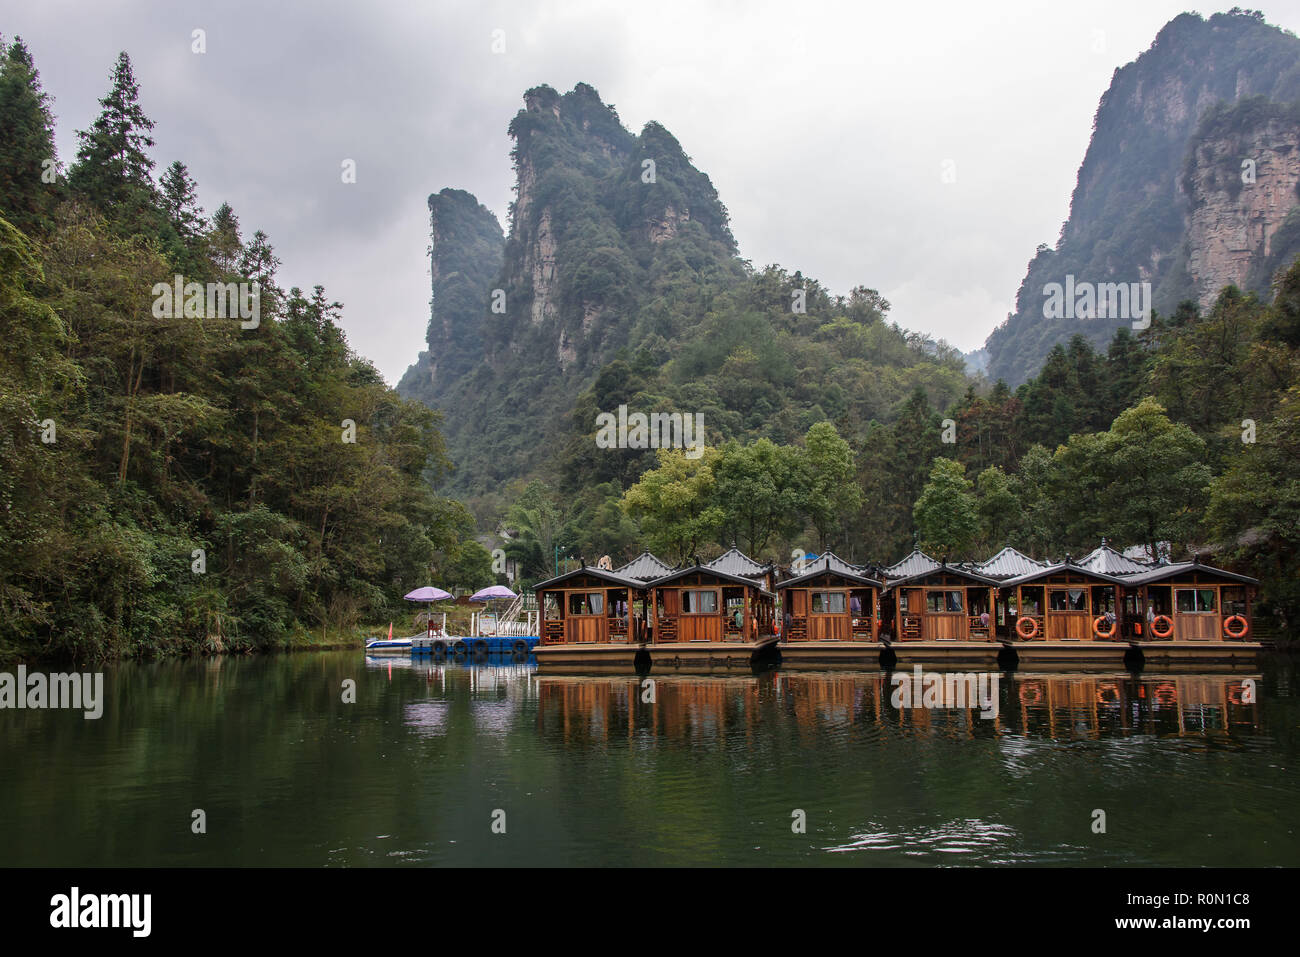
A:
(428, 593)
(492, 591)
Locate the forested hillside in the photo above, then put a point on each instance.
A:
(825, 424)
(172, 480)
(620, 281)
(1183, 434)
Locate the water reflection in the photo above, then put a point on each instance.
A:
(1059, 706)
(333, 758)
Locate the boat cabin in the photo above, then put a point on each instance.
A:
(699, 603)
(592, 606)
(946, 603)
(1188, 601)
(1064, 602)
(830, 600)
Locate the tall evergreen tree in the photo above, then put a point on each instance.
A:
(224, 244)
(27, 157)
(180, 202)
(113, 169)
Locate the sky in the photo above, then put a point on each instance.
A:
(921, 149)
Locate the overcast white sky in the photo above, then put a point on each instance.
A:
(824, 126)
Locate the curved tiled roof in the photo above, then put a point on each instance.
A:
(645, 567)
(1009, 563)
(916, 563)
(1106, 561)
(830, 562)
(1161, 572)
(736, 563)
(602, 573)
(1046, 571)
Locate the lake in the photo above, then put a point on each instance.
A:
(462, 764)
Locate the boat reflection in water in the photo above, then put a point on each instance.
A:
(1056, 705)
(495, 689)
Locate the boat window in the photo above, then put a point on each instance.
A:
(551, 606)
(943, 601)
(586, 603)
(828, 602)
(1073, 599)
(1194, 600)
(699, 603)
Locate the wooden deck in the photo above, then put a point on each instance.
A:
(1103, 654)
(950, 652)
(857, 654)
(621, 657)
(1164, 653)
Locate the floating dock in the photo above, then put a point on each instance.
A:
(627, 657)
(704, 657)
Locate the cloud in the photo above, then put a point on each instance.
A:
(825, 131)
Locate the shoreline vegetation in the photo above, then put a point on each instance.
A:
(176, 483)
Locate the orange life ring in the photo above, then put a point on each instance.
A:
(1108, 694)
(1155, 626)
(1234, 694)
(1166, 693)
(1033, 628)
(1096, 627)
(1030, 694)
(1245, 627)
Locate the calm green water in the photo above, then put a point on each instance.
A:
(588, 773)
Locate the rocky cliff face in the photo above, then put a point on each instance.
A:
(601, 219)
(1242, 184)
(1130, 214)
(466, 248)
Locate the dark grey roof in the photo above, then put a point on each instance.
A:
(950, 569)
(1161, 572)
(832, 563)
(829, 561)
(1107, 561)
(1008, 563)
(914, 564)
(723, 576)
(735, 562)
(1045, 571)
(645, 567)
(614, 578)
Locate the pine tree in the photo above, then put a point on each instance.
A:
(258, 264)
(26, 142)
(224, 243)
(180, 202)
(112, 169)
(183, 231)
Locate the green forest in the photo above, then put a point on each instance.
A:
(183, 485)
(1183, 433)
(192, 483)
